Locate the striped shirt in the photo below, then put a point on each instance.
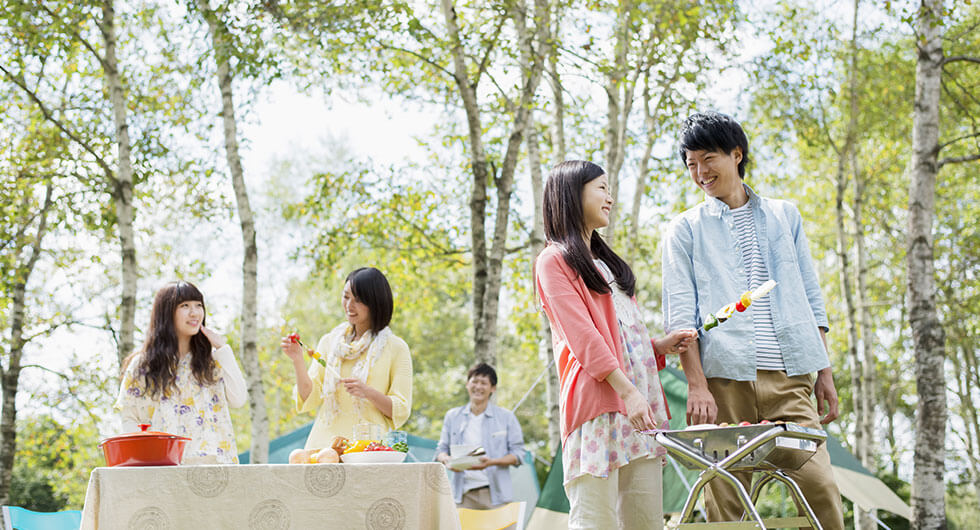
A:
(767, 353)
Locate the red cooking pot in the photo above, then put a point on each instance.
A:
(144, 448)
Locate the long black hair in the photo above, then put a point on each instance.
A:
(158, 365)
(564, 224)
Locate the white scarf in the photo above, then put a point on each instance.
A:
(366, 350)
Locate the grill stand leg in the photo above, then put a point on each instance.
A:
(717, 472)
(794, 490)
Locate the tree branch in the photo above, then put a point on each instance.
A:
(75, 34)
(959, 159)
(954, 140)
(57, 123)
(965, 58)
(486, 57)
(415, 54)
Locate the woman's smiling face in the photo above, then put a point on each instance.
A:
(358, 314)
(188, 318)
(596, 204)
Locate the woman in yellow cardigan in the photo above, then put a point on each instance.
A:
(374, 366)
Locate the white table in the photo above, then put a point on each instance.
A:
(271, 497)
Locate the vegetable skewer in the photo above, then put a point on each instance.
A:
(741, 305)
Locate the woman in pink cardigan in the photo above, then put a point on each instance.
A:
(607, 363)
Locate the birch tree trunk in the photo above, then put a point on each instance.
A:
(928, 337)
(557, 90)
(619, 102)
(553, 385)
(488, 266)
(250, 359)
(537, 239)
(122, 191)
(10, 376)
(545, 350)
(965, 386)
(847, 158)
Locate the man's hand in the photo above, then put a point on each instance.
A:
(825, 390)
(484, 463)
(701, 406)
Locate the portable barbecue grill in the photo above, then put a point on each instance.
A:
(767, 449)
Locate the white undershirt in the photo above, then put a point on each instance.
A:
(473, 436)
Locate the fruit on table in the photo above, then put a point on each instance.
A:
(400, 446)
(358, 446)
(301, 456)
(744, 423)
(325, 456)
(377, 446)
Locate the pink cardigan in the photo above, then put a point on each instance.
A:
(585, 336)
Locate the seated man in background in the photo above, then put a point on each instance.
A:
(486, 484)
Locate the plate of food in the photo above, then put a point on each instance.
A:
(373, 457)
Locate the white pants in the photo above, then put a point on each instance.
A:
(631, 498)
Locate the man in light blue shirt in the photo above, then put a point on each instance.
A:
(486, 483)
(757, 365)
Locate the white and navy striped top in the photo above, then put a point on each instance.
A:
(767, 353)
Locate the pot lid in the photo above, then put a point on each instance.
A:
(144, 433)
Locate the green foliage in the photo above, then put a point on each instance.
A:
(54, 460)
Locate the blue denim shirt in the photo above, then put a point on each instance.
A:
(703, 271)
(501, 436)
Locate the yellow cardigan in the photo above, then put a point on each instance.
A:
(391, 375)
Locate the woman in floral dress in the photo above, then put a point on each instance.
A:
(185, 379)
(607, 364)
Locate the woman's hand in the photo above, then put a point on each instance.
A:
(638, 411)
(360, 389)
(216, 340)
(676, 342)
(357, 388)
(292, 350)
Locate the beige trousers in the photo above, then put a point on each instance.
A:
(774, 396)
(631, 498)
(477, 499)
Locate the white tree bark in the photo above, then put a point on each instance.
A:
(620, 85)
(122, 191)
(928, 337)
(10, 376)
(250, 359)
(545, 349)
(488, 266)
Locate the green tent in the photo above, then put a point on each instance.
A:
(855, 482)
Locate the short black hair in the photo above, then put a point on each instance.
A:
(714, 131)
(485, 370)
(371, 288)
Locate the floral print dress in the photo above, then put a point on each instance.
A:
(200, 412)
(608, 441)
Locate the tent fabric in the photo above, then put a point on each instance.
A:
(869, 492)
